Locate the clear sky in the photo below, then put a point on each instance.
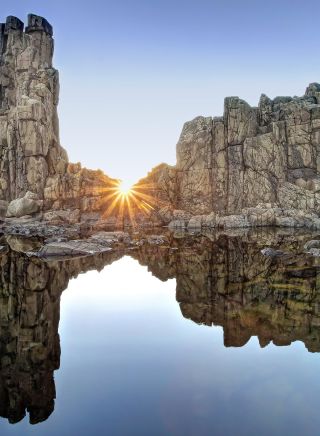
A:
(133, 71)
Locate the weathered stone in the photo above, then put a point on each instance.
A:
(22, 245)
(314, 243)
(271, 252)
(250, 157)
(31, 155)
(36, 23)
(254, 166)
(72, 248)
(23, 206)
(3, 208)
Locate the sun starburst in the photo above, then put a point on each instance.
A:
(126, 204)
(124, 188)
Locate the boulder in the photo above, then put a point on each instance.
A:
(22, 244)
(27, 205)
(314, 243)
(271, 252)
(71, 248)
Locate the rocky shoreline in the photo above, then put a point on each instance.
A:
(55, 243)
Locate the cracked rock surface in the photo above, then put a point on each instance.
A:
(31, 156)
(254, 166)
(252, 159)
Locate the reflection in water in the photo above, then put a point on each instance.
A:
(229, 282)
(29, 340)
(221, 280)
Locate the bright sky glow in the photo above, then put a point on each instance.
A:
(124, 188)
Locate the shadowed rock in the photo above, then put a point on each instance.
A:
(227, 281)
(220, 280)
(30, 292)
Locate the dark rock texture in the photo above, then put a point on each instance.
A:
(30, 292)
(221, 279)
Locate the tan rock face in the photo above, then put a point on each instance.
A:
(26, 205)
(225, 165)
(28, 100)
(32, 158)
(252, 155)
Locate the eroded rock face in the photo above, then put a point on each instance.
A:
(249, 160)
(254, 166)
(31, 157)
(29, 129)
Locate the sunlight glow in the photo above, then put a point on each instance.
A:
(124, 203)
(124, 188)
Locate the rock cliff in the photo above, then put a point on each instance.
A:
(254, 166)
(32, 158)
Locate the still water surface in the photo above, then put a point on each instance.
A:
(132, 364)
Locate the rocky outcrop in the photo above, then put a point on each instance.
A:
(29, 128)
(254, 166)
(31, 157)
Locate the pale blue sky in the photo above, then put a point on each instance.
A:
(132, 72)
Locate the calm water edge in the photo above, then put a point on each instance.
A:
(132, 364)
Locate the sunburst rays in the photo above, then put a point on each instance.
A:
(125, 203)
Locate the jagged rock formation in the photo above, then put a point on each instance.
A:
(253, 166)
(32, 158)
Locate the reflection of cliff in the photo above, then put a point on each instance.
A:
(30, 293)
(228, 282)
(220, 281)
